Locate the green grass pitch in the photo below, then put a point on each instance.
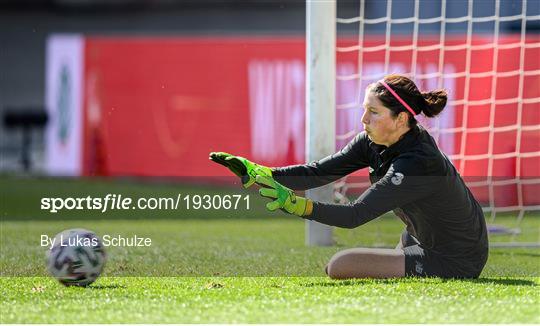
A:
(236, 267)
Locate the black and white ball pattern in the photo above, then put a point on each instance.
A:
(77, 257)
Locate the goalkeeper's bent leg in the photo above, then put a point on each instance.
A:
(366, 263)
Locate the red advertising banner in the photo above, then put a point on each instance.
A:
(159, 106)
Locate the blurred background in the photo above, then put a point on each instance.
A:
(26, 27)
(147, 88)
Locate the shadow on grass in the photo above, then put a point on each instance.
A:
(433, 280)
(499, 281)
(351, 282)
(106, 287)
(528, 254)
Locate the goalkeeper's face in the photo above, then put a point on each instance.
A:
(381, 126)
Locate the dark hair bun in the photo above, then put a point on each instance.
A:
(434, 102)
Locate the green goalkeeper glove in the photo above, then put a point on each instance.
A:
(284, 197)
(245, 169)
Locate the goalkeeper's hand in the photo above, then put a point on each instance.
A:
(285, 198)
(245, 169)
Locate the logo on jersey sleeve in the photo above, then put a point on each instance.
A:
(397, 178)
(419, 268)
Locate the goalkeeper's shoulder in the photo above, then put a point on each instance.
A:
(359, 145)
(361, 139)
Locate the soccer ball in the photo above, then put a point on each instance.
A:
(76, 258)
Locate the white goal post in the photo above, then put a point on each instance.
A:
(320, 101)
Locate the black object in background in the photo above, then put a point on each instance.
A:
(27, 119)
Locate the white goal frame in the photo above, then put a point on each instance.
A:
(320, 102)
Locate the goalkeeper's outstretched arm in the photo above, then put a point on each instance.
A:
(381, 197)
(329, 169)
(301, 177)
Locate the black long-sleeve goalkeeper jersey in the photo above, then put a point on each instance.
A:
(411, 177)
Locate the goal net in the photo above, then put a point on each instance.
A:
(487, 55)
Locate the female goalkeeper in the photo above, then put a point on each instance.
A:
(445, 233)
